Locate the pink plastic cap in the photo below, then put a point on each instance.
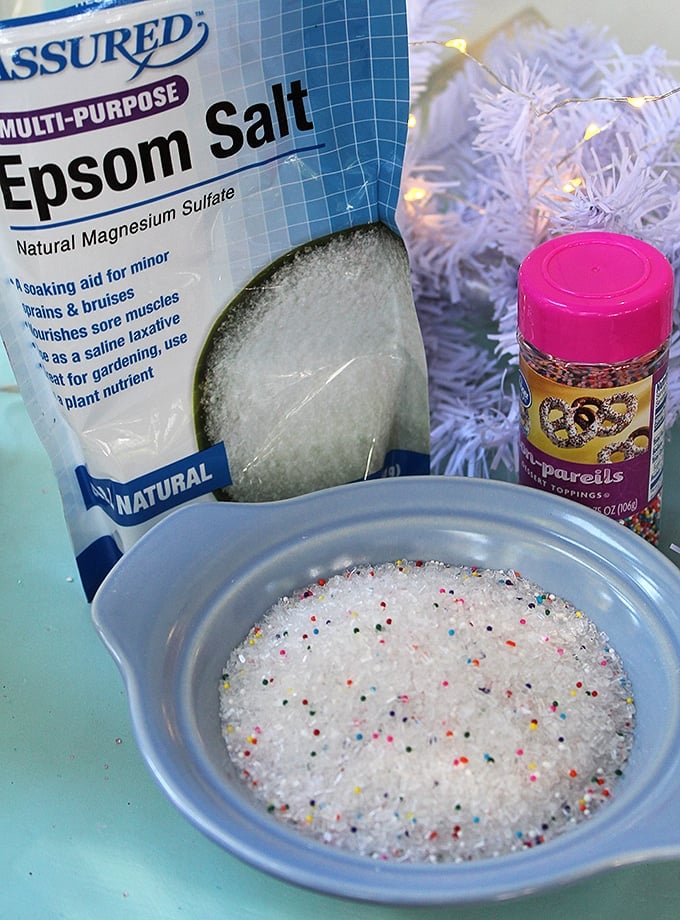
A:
(595, 298)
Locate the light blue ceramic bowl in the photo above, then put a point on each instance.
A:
(190, 590)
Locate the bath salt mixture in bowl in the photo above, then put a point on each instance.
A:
(418, 711)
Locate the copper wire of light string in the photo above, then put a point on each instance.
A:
(459, 45)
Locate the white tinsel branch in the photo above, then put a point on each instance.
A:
(430, 24)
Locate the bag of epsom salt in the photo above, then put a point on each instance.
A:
(206, 294)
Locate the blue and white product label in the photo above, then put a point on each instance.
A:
(206, 296)
(138, 501)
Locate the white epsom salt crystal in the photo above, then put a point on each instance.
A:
(423, 712)
(318, 370)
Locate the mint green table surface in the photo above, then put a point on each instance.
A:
(85, 833)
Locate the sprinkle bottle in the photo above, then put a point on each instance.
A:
(594, 324)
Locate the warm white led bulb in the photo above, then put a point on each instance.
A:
(571, 185)
(458, 43)
(415, 193)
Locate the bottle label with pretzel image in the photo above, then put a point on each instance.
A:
(594, 321)
(602, 447)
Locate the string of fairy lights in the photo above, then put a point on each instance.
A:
(416, 193)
